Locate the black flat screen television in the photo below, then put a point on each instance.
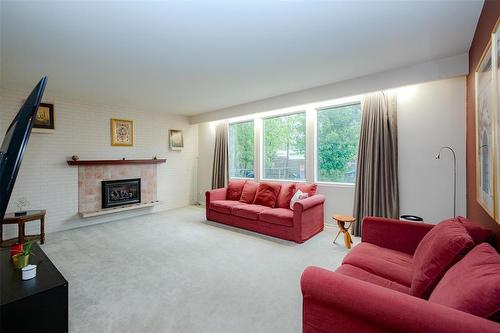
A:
(15, 142)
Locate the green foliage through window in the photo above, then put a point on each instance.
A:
(285, 147)
(338, 137)
(241, 150)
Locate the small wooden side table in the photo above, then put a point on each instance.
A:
(341, 222)
(32, 215)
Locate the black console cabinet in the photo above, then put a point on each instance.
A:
(36, 305)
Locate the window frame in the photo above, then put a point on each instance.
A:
(261, 147)
(254, 150)
(316, 153)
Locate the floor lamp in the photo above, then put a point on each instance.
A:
(438, 156)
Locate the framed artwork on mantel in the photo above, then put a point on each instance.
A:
(487, 104)
(122, 132)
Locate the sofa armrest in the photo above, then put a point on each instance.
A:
(358, 304)
(393, 234)
(217, 194)
(310, 202)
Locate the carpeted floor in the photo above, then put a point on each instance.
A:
(176, 272)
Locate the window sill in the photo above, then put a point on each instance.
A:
(284, 180)
(339, 185)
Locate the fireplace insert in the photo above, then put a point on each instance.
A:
(121, 192)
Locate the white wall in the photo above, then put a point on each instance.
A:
(84, 130)
(206, 143)
(430, 115)
(432, 70)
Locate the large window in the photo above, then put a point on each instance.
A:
(284, 147)
(338, 136)
(241, 150)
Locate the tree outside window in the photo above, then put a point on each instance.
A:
(241, 150)
(338, 139)
(285, 147)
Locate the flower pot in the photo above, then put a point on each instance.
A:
(20, 260)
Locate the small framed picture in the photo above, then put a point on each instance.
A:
(122, 132)
(176, 141)
(44, 119)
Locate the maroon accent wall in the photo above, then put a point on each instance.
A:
(487, 21)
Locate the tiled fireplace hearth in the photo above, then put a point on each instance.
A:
(110, 187)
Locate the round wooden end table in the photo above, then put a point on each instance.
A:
(341, 222)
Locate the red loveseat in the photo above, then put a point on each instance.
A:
(374, 288)
(243, 210)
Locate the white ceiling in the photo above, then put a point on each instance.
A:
(193, 57)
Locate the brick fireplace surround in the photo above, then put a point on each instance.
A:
(92, 173)
(90, 178)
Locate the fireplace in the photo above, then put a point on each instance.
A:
(121, 192)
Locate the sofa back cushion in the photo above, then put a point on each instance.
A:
(234, 189)
(473, 284)
(285, 195)
(308, 188)
(441, 247)
(478, 234)
(248, 192)
(267, 194)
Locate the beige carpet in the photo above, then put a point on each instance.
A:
(176, 272)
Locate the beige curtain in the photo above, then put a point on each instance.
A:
(220, 170)
(377, 188)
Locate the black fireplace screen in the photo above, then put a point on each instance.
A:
(120, 192)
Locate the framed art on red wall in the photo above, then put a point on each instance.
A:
(487, 99)
(485, 132)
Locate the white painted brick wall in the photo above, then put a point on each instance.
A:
(84, 130)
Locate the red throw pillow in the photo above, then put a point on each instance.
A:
(441, 247)
(266, 195)
(286, 194)
(308, 188)
(234, 189)
(473, 284)
(248, 193)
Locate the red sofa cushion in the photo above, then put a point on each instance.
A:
(478, 234)
(307, 188)
(234, 189)
(248, 192)
(281, 216)
(363, 275)
(223, 206)
(441, 247)
(248, 211)
(285, 195)
(266, 195)
(389, 264)
(473, 284)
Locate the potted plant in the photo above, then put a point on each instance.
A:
(21, 254)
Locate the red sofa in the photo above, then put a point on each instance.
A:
(298, 225)
(372, 290)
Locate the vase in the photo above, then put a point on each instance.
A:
(20, 260)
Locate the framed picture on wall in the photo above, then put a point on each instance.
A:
(495, 51)
(176, 140)
(485, 131)
(122, 132)
(44, 119)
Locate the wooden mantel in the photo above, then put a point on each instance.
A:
(102, 162)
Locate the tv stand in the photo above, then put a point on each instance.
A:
(36, 305)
